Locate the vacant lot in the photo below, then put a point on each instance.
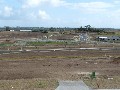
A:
(51, 65)
(41, 67)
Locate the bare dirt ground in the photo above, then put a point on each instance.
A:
(61, 65)
(54, 68)
(42, 69)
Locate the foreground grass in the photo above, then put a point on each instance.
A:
(28, 84)
(104, 83)
(52, 84)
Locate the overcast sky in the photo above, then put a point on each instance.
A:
(60, 13)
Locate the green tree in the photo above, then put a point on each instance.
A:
(88, 27)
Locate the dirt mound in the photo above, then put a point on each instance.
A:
(116, 60)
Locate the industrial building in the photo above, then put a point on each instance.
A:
(108, 38)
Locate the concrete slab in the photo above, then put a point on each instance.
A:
(72, 85)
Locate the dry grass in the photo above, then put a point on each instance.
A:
(51, 84)
(28, 84)
(104, 83)
(116, 60)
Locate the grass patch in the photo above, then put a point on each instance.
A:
(3, 44)
(28, 84)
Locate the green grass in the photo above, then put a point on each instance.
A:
(3, 44)
(117, 33)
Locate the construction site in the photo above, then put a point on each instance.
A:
(38, 61)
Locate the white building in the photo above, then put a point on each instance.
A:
(26, 30)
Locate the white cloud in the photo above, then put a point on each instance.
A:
(35, 10)
(57, 3)
(32, 3)
(40, 15)
(38, 3)
(115, 14)
(43, 15)
(89, 6)
(92, 7)
(8, 11)
(95, 5)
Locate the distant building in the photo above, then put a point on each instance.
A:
(26, 30)
(108, 38)
(12, 30)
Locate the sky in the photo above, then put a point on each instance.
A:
(60, 13)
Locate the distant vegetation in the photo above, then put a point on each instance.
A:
(90, 29)
(87, 28)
